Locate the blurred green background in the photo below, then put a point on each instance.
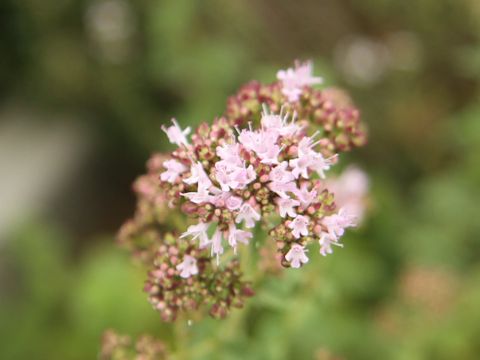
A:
(84, 88)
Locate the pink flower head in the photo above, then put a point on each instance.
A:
(236, 236)
(188, 267)
(198, 231)
(286, 207)
(174, 169)
(326, 241)
(248, 214)
(175, 134)
(299, 226)
(296, 256)
(293, 80)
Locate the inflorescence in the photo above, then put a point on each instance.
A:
(264, 162)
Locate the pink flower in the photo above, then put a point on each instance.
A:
(300, 166)
(236, 236)
(198, 231)
(230, 153)
(263, 143)
(337, 223)
(175, 134)
(299, 226)
(242, 177)
(174, 169)
(286, 207)
(188, 267)
(281, 189)
(198, 197)
(270, 155)
(293, 80)
(198, 176)
(306, 196)
(309, 159)
(280, 174)
(216, 242)
(296, 256)
(320, 164)
(278, 123)
(306, 145)
(326, 241)
(233, 176)
(248, 139)
(233, 203)
(248, 214)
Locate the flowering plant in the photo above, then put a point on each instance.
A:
(262, 166)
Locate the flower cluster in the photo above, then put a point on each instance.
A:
(231, 181)
(264, 162)
(183, 278)
(330, 109)
(120, 347)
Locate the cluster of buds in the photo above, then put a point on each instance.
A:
(183, 278)
(265, 161)
(121, 347)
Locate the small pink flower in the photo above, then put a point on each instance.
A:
(320, 164)
(233, 176)
(300, 166)
(280, 174)
(299, 226)
(198, 176)
(337, 223)
(263, 143)
(296, 256)
(305, 196)
(293, 80)
(216, 242)
(236, 236)
(326, 241)
(278, 123)
(174, 169)
(188, 267)
(248, 139)
(233, 203)
(230, 153)
(175, 134)
(198, 231)
(270, 156)
(198, 197)
(286, 207)
(248, 214)
(242, 176)
(282, 189)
